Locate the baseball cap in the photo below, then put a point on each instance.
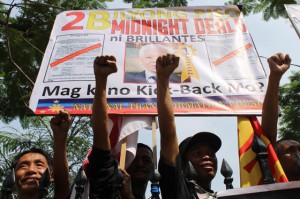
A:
(202, 137)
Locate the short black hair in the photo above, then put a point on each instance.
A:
(48, 158)
(278, 142)
(145, 146)
(284, 141)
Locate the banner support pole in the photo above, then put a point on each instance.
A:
(154, 144)
(123, 153)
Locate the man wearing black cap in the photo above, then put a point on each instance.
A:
(288, 151)
(199, 150)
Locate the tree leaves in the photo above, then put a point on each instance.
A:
(289, 101)
(270, 9)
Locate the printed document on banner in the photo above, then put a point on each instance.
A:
(73, 56)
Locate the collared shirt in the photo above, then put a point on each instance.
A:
(150, 77)
(203, 194)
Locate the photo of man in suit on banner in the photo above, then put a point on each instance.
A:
(141, 68)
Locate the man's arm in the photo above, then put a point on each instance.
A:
(278, 64)
(103, 66)
(165, 66)
(60, 125)
(126, 191)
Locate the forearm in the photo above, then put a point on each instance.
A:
(128, 197)
(100, 116)
(61, 170)
(165, 108)
(270, 108)
(169, 142)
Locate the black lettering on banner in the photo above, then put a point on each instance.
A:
(185, 89)
(48, 92)
(57, 90)
(90, 90)
(245, 88)
(146, 90)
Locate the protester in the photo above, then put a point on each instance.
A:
(288, 151)
(29, 165)
(199, 150)
(148, 55)
(60, 125)
(103, 168)
(140, 170)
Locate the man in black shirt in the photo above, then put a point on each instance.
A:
(103, 168)
(199, 150)
(288, 151)
(102, 165)
(140, 170)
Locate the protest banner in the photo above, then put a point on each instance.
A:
(219, 72)
(293, 11)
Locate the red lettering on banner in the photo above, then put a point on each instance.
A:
(220, 26)
(209, 26)
(228, 26)
(127, 27)
(183, 22)
(240, 25)
(149, 27)
(79, 16)
(162, 29)
(118, 27)
(199, 26)
(154, 27)
(135, 27)
(173, 27)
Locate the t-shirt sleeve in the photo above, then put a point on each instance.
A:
(101, 170)
(173, 184)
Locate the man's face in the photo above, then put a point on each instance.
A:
(141, 167)
(204, 160)
(28, 172)
(148, 60)
(288, 155)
